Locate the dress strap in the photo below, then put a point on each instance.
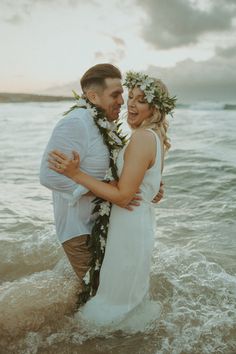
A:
(160, 152)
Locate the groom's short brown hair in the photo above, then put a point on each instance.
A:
(97, 74)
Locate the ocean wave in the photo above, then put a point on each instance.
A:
(193, 302)
(208, 106)
(193, 276)
(24, 255)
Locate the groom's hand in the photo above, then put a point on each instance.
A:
(159, 195)
(135, 201)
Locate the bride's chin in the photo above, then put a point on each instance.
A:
(131, 123)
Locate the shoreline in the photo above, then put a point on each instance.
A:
(25, 97)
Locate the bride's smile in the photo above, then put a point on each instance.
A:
(138, 108)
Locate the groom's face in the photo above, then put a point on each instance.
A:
(110, 99)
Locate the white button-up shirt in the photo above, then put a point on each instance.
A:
(72, 209)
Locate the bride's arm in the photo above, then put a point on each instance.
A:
(138, 157)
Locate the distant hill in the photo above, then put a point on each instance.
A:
(231, 107)
(25, 97)
(6, 97)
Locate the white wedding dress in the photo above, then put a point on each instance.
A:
(124, 277)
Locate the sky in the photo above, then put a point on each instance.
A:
(46, 45)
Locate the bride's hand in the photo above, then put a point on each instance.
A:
(60, 163)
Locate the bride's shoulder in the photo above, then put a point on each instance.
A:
(141, 142)
(142, 135)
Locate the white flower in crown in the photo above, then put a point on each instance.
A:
(102, 243)
(149, 96)
(97, 265)
(86, 278)
(146, 82)
(114, 137)
(105, 208)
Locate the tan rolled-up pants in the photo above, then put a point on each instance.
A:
(79, 254)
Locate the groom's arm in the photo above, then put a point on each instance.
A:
(69, 134)
(135, 200)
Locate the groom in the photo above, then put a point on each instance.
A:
(77, 131)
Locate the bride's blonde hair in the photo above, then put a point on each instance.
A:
(158, 121)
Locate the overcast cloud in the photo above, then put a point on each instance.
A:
(191, 44)
(214, 79)
(22, 9)
(174, 23)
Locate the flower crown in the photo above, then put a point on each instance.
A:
(152, 93)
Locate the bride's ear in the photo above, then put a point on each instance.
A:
(153, 111)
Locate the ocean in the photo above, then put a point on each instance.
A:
(193, 278)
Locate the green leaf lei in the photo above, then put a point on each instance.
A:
(114, 140)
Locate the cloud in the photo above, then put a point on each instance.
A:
(23, 3)
(73, 3)
(110, 57)
(118, 41)
(190, 81)
(229, 52)
(99, 55)
(175, 23)
(213, 79)
(14, 20)
(115, 55)
(23, 9)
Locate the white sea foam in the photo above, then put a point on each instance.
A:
(192, 308)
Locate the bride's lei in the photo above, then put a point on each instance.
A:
(114, 140)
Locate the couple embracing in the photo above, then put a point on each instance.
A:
(109, 240)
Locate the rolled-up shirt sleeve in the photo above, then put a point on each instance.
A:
(69, 134)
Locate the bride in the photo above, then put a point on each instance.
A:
(124, 276)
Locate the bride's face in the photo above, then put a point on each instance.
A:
(138, 108)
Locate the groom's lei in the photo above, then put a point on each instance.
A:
(114, 140)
